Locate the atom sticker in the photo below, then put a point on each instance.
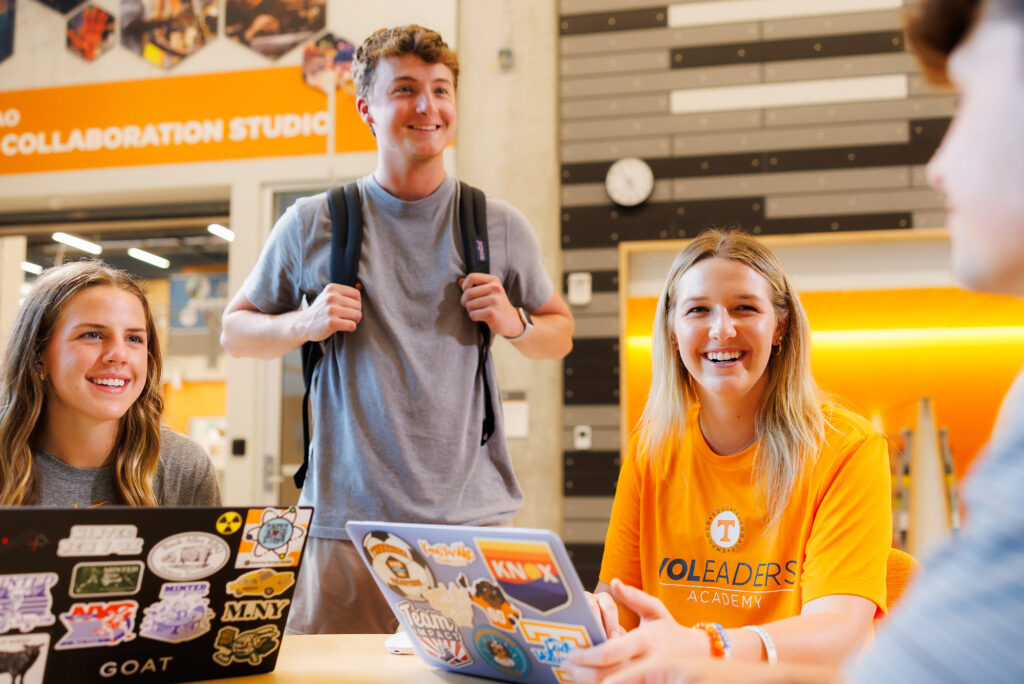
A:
(273, 537)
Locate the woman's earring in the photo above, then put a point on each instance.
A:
(778, 348)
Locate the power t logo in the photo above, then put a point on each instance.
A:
(724, 530)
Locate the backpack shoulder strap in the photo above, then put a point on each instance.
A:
(473, 229)
(346, 212)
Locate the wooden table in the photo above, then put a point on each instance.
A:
(357, 658)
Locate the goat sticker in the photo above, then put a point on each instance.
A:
(526, 571)
(23, 658)
(188, 556)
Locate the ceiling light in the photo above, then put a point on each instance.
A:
(221, 232)
(148, 257)
(77, 243)
(29, 267)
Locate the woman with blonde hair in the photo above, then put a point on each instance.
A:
(750, 508)
(80, 400)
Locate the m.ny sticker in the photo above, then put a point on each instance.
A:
(526, 571)
(26, 601)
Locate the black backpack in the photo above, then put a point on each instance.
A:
(346, 245)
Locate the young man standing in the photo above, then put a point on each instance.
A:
(963, 620)
(397, 402)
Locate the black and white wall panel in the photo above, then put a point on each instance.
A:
(776, 116)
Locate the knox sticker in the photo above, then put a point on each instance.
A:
(500, 652)
(437, 633)
(526, 571)
(228, 523)
(452, 601)
(101, 540)
(23, 657)
(273, 537)
(106, 579)
(26, 601)
(400, 566)
(265, 583)
(553, 641)
(188, 556)
(98, 623)
(250, 646)
(182, 613)
(488, 598)
(455, 554)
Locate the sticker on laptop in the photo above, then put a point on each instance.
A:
(106, 579)
(273, 537)
(23, 657)
(399, 565)
(266, 583)
(500, 652)
(250, 646)
(26, 601)
(437, 633)
(182, 613)
(98, 623)
(452, 601)
(527, 572)
(228, 523)
(456, 554)
(101, 540)
(188, 556)
(488, 597)
(554, 640)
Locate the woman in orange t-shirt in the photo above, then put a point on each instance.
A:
(747, 506)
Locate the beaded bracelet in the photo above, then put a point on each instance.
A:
(719, 639)
(766, 639)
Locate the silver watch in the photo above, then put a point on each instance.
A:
(524, 316)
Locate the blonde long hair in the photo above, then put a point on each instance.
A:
(136, 449)
(789, 422)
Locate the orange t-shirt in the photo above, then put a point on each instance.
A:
(688, 528)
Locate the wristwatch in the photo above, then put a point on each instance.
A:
(524, 316)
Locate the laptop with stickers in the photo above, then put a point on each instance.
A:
(497, 602)
(145, 594)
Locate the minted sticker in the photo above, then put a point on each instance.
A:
(101, 540)
(241, 611)
(273, 537)
(554, 640)
(23, 657)
(106, 579)
(265, 583)
(456, 554)
(188, 556)
(250, 646)
(99, 623)
(452, 601)
(182, 613)
(438, 634)
(488, 597)
(500, 652)
(398, 564)
(26, 601)
(526, 571)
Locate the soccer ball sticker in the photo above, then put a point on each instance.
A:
(400, 566)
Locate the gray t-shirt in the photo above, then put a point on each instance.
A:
(184, 477)
(398, 405)
(963, 619)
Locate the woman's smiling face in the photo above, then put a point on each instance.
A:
(724, 324)
(97, 358)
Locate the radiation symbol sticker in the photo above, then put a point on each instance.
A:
(229, 522)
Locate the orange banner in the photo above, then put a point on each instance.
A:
(206, 117)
